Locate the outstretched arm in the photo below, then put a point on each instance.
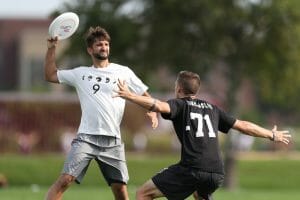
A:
(50, 63)
(255, 130)
(146, 102)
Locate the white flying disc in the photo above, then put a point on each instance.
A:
(64, 25)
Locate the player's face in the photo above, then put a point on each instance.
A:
(100, 49)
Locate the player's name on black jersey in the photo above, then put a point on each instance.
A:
(202, 105)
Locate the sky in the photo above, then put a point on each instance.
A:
(28, 8)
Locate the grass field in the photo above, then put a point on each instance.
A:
(100, 193)
(259, 179)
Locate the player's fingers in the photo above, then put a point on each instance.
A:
(116, 93)
(154, 124)
(283, 132)
(51, 39)
(287, 136)
(119, 81)
(121, 84)
(121, 87)
(274, 128)
(286, 142)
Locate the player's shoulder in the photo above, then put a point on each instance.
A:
(178, 103)
(77, 69)
(80, 68)
(84, 68)
(118, 66)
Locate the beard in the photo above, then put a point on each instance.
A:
(100, 56)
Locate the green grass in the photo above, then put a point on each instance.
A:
(270, 175)
(44, 169)
(96, 193)
(30, 176)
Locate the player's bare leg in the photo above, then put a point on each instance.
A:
(120, 191)
(148, 191)
(207, 197)
(195, 195)
(56, 191)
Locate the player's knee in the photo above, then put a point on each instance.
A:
(65, 181)
(140, 193)
(195, 195)
(120, 191)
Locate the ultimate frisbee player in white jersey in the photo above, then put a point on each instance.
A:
(99, 134)
(196, 123)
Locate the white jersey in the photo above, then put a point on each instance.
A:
(101, 112)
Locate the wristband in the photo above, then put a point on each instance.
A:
(153, 105)
(273, 136)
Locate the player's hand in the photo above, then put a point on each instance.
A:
(153, 118)
(52, 42)
(281, 136)
(123, 91)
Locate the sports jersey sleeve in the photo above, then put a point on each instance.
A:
(226, 121)
(175, 108)
(135, 84)
(66, 76)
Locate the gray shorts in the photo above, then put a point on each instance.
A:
(108, 152)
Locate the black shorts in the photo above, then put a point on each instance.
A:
(178, 182)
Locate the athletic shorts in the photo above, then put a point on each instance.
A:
(178, 182)
(110, 158)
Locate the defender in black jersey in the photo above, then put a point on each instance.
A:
(196, 123)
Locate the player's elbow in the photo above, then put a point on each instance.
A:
(51, 77)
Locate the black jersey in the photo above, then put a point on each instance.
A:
(196, 123)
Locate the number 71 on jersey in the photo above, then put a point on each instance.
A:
(201, 120)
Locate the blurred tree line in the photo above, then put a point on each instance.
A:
(257, 40)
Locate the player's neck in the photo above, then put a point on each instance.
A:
(186, 96)
(189, 96)
(101, 64)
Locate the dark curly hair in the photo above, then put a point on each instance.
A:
(96, 33)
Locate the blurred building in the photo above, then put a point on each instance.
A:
(25, 111)
(22, 51)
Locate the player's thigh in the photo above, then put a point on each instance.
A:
(148, 189)
(208, 183)
(175, 182)
(114, 173)
(113, 165)
(78, 159)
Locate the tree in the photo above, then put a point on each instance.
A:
(258, 40)
(255, 39)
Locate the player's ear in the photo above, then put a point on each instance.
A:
(179, 89)
(89, 50)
